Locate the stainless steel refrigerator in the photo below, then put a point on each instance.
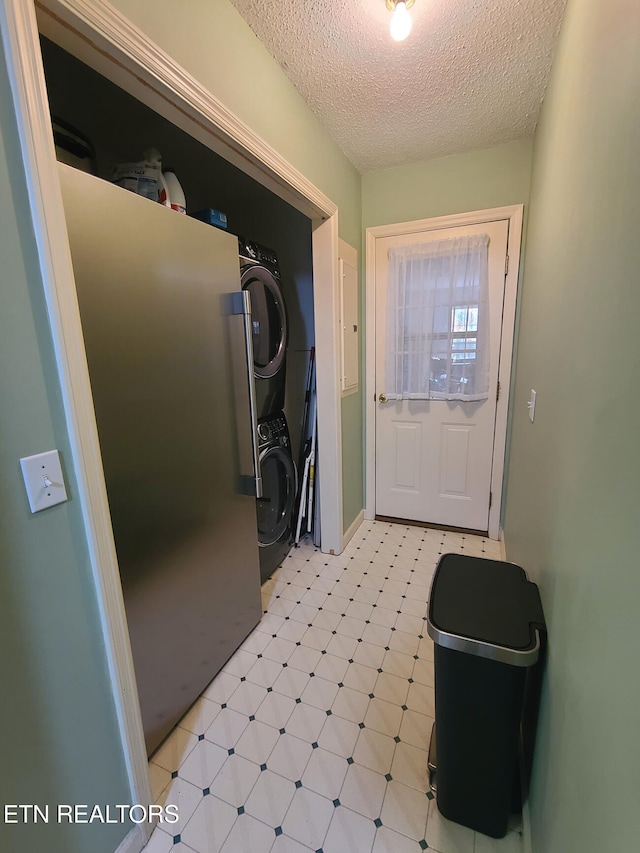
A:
(168, 342)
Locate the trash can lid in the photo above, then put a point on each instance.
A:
(486, 608)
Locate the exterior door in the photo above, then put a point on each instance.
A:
(434, 457)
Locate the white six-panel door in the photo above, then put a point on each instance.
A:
(434, 457)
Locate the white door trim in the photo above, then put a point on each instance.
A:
(514, 213)
(111, 44)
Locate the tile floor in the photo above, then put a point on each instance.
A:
(314, 736)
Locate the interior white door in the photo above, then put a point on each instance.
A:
(434, 457)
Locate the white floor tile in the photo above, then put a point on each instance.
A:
(234, 782)
(256, 642)
(339, 736)
(240, 663)
(385, 717)
(406, 644)
(291, 759)
(276, 709)
(383, 616)
(257, 742)
(320, 693)
(175, 749)
(222, 687)
(421, 698)
(203, 764)
(415, 729)
(389, 841)
(159, 778)
(410, 624)
(336, 603)
(332, 668)
(405, 810)
(423, 672)
(410, 766)
(350, 704)
(360, 677)
(210, 825)
(185, 796)
(248, 834)
(291, 682)
(378, 635)
(342, 646)
(308, 818)
(363, 791)
(305, 659)
(247, 697)
(316, 638)
(159, 842)
(325, 773)
(292, 630)
(327, 620)
(198, 719)
(227, 728)
(284, 844)
(306, 721)
(349, 832)
(290, 756)
(391, 688)
(279, 650)
(264, 671)
(270, 798)
(375, 751)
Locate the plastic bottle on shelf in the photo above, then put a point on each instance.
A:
(175, 191)
(163, 192)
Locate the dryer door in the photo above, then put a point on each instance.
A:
(268, 318)
(275, 507)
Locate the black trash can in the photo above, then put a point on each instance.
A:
(487, 624)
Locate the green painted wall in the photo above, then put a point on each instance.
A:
(572, 497)
(59, 739)
(212, 41)
(491, 177)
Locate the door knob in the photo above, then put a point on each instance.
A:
(382, 398)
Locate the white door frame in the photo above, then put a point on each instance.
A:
(514, 214)
(104, 39)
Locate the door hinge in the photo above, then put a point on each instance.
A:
(490, 499)
(506, 265)
(498, 392)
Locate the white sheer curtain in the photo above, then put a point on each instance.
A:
(438, 320)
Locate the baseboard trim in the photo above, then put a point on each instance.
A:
(355, 524)
(134, 841)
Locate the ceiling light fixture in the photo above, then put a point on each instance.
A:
(400, 20)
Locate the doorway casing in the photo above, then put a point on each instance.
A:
(104, 39)
(514, 215)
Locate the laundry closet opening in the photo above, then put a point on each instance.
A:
(121, 128)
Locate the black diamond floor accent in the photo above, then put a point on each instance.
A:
(174, 774)
(263, 767)
(423, 844)
(200, 737)
(388, 777)
(206, 792)
(278, 830)
(282, 731)
(378, 822)
(336, 803)
(298, 784)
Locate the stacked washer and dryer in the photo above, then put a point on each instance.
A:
(260, 276)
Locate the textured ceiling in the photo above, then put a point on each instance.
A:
(471, 74)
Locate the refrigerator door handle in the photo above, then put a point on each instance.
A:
(240, 303)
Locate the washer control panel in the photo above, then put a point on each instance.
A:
(274, 431)
(255, 252)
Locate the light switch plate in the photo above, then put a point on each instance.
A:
(43, 480)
